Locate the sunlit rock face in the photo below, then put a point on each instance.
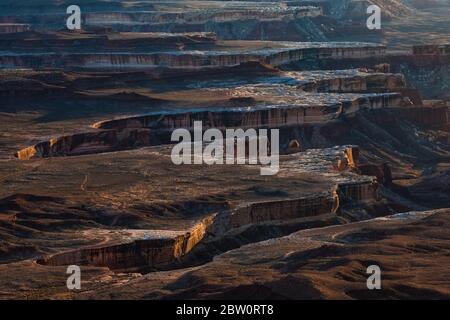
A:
(202, 16)
(237, 53)
(350, 9)
(6, 28)
(275, 106)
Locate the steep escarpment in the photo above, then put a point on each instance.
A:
(327, 263)
(355, 10)
(94, 142)
(202, 16)
(142, 253)
(246, 20)
(295, 123)
(156, 129)
(288, 52)
(158, 251)
(6, 28)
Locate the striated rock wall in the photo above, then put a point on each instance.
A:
(427, 117)
(162, 252)
(201, 16)
(93, 142)
(156, 129)
(51, 83)
(138, 253)
(437, 117)
(85, 42)
(284, 209)
(261, 22)
(429, 73)
(192, 59)
(258, 117)
(372, 82)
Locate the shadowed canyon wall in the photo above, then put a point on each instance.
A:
(156, 129)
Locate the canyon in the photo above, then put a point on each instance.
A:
(85, 150)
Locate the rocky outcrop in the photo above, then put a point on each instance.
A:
(92, 142)
(163, 252)
(432, 49)
(255, 117)
(156, 129)
(52, 83)
(437, 117)
(137, 212)
(355, 10)
(284, 209)
(201, 16)
(289, 52)
(142, 253)
(321, 263)
(20, 87)
(253, 21)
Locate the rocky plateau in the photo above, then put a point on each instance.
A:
(86, 176)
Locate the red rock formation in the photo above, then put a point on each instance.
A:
(289, 52)
(382, 172)
(284, 209)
